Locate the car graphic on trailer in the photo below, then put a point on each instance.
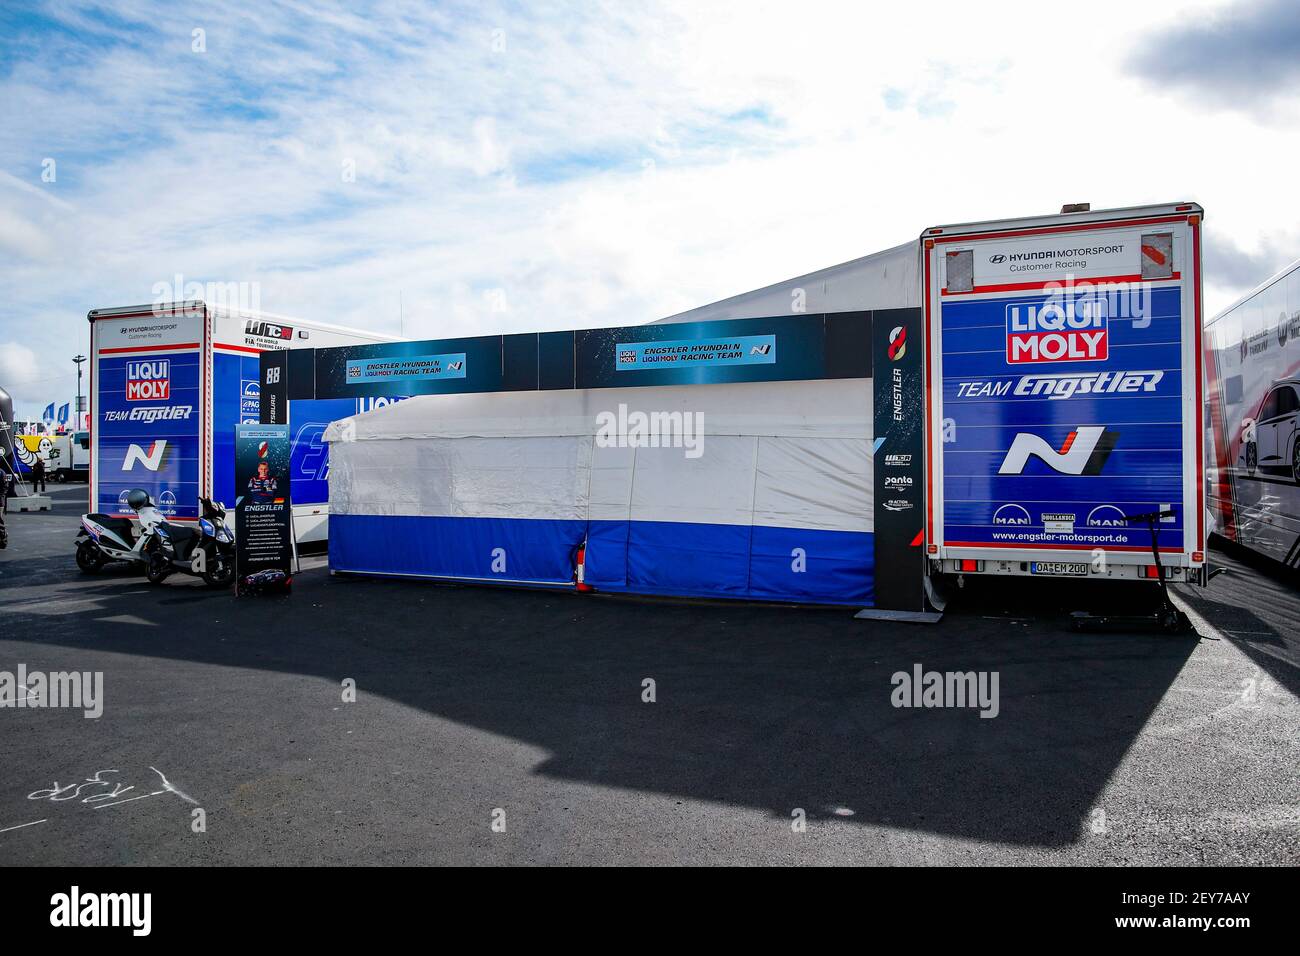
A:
(1268, 441)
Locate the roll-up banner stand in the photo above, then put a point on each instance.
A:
(898, 399)
(883, 346)
(264, 539)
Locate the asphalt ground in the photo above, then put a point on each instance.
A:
(477, 705)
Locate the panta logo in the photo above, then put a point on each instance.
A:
(1084, 452)
(148, 380)
(897, 343)
(1070, 330)
(1012, 515)
(152, 459)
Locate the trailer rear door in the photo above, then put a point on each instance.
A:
(1064, 392)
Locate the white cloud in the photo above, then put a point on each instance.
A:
(19, 366)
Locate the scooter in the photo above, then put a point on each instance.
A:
(104, 538)
(207, 551)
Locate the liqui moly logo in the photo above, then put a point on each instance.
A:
(148, 380)
(1058, 330)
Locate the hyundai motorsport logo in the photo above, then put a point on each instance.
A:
(1058, 330)
(148, 380)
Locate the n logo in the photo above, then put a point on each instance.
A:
(1084, 453)
(152, 459)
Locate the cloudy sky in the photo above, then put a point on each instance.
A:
(486, 167)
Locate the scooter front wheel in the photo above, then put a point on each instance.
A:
(219, 571)
(89, 558)
(157, 568)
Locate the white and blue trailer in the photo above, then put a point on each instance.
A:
(1064, 394)
(168, 384)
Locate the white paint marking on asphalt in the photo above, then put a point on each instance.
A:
(21, 825)
(118, 803)
(167, 785)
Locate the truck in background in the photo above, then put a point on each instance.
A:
(1064, 394)
(169, 382)
(1252, 415)
(69, 458)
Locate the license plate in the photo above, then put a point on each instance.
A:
(1058, 568)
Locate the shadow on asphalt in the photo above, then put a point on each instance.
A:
(764, 706)
(1256, 604)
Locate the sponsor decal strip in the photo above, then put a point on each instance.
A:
(1042, 285)
(1058, 547)
(1195, 222)
(237, 348)
(150, 348)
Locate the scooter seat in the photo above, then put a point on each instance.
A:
(179, 533)
(122, 527)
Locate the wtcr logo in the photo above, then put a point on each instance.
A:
(1084, 452)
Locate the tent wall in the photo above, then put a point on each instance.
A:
(504, 487)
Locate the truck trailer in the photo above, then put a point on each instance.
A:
(1064, 395)
(169, 382)
(1252, 435)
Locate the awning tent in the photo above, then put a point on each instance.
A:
(774, 502)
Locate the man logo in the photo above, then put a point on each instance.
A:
(152, 459)
(1012, 515)
(1106, 516)
(997, 259)
(897, 343)
(1084, 452)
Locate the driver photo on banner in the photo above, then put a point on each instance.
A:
(263, 486)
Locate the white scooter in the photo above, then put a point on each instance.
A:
(104, 538)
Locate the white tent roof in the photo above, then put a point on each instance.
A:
(882, 280)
